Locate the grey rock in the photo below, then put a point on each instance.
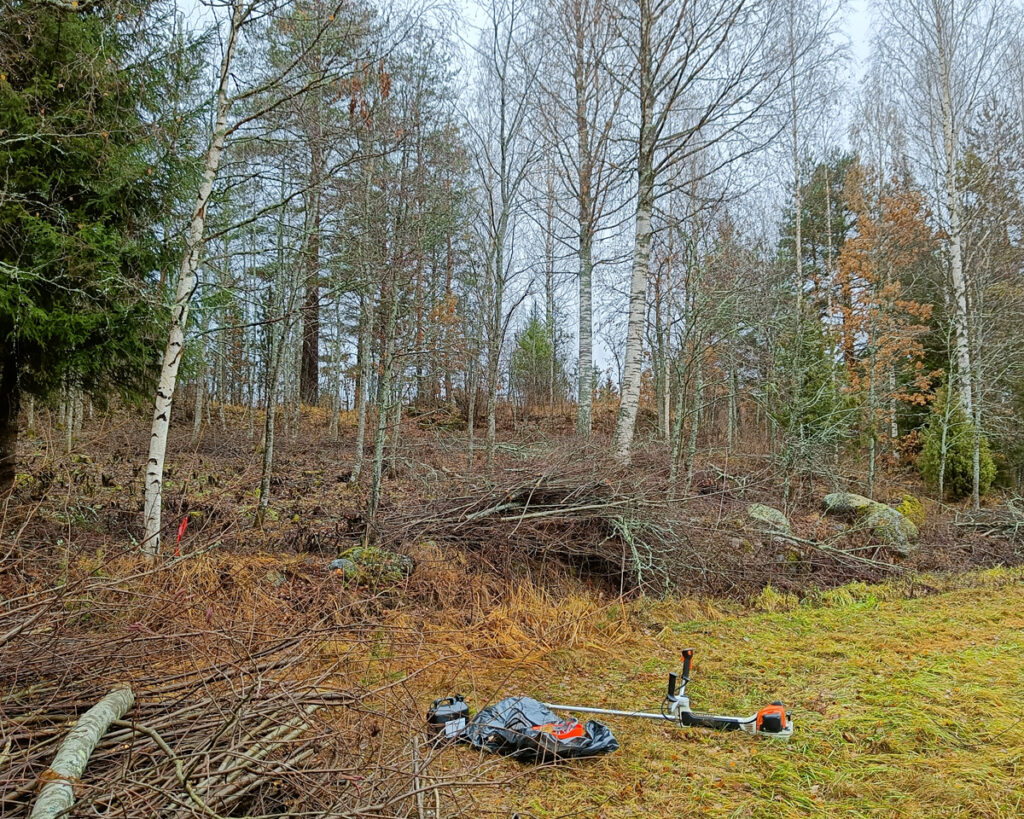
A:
(769, 516)
(892, 528)
(275, 578)
(847, 503)
(343, 565)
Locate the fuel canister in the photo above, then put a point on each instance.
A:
(447, 717)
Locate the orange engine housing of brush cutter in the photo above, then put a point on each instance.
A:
(771, 719)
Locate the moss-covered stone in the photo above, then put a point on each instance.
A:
(371, 565)
(890, 526)
(770, 517)
(847, 503)
(912, 509)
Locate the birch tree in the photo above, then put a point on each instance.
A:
(503, 152)
(265, 94)
(945, 57)
(581, 103)
(702, 73)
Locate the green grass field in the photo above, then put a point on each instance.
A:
(904, 705)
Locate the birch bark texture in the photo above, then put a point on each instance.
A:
(57, 796)
(187, 281)
(704, 74)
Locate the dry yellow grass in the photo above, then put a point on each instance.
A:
(905, 705)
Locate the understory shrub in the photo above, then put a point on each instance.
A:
(958, 477)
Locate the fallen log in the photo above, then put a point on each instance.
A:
(58, 795)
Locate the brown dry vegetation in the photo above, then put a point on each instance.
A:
(266, 685)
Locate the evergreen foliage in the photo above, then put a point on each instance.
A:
(531, 363)
(78, 248)
(807, 401)
(958, 473)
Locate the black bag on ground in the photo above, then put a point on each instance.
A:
(528, 730)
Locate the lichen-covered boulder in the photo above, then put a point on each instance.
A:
(847, 503)
(769, 517)
(371, 565)
(892, 528)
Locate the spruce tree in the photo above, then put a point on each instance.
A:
(78, 208)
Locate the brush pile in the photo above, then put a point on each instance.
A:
(245, 704)
(1005, 521)
(627, 537)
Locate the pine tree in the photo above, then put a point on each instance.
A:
(78, 249)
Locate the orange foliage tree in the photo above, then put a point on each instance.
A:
(880, 327)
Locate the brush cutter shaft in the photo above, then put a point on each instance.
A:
(584, 709)
(771, 721)
(717, 721)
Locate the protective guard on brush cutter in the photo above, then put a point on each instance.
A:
(771, 721)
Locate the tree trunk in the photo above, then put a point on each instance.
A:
(471, 409)
(69, 421)
(57, 795)
(79, 401)
(629, 404)
(396, 429)
(187, 280)
(277, 334)
(585, 220)
(309, 379)
(384, 391)
(268, 441)
(492, 407)
(585, 376)
(362, 388)
(10, 404)
(197, 417)
(698, 407)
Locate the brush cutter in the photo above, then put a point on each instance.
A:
(771, 721)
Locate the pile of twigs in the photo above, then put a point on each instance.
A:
(231, 718)
(625, 534)
(1005, 521)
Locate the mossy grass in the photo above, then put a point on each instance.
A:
(906, 695)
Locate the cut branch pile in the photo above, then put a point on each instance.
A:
(628, 536)
(1006, 521)
(234, 718)
(630, 533)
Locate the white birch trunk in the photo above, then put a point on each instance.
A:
(629, 405)
(187, 279)
(958, 279)
(365, 370)
(58, 795)
(585, 377)
(625, 423)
